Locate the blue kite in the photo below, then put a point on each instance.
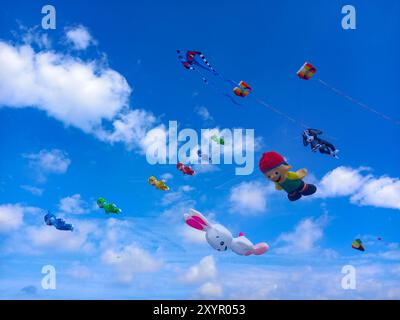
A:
(51, 220)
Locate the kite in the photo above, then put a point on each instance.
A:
(358, 245)
(196, 61)
(218, 140)
(185, 169)
(307, 71)
(51, 220)
(202, 156)
(310, 137)
(108, 207)
(221, 239)
(242, 90)
(275, 168)
(159, 184)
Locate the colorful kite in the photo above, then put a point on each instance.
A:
(221, 239)
(185, 169)
(196, 61)
(275, 168)
(159, 184)
(306, 71)
(51, 220)
(218, 140)
(242, 90)
(358, 245)
(108, 207)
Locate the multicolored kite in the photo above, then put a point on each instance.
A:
(358, 245)
(306, 71)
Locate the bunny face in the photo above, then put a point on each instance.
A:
(219, 237)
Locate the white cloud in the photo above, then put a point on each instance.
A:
(75, 92)
(342, 181)
(48, 162)
(166, 176)
(203, 271)
(362, 189)
(34, 190)
(191, 235)
(135, 128)
(129, 261)
(85, 94)
(305, 236)
(73, 204)
(210, 290)
(11, 217)
(47, 237)
(249, 198)
(382, 192)
(79, 271)
(204, 113)
(79, 37)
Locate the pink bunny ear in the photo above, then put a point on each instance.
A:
(196, 220)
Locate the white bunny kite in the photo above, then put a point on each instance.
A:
(221, 238)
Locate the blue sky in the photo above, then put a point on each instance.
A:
(63, 147)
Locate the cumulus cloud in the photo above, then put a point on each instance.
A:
(362, 187)
(203, 271)
(73, 204)
(48, 162)
(249, 198)
(81, 239)
(130, 261)
(79, 37)
(304, 238)
(11, 217)
(87, 95)
(210, 290)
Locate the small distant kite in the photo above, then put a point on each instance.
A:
(108, 207)
(203, 156)
(159, 184)
(51, 220)
(218, 140)
(242, 90)
(187, 170)
(306, 71)
(358, 245)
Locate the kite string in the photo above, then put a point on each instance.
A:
(277, 111)
(363, 105)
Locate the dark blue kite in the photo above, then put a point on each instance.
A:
(51, 220)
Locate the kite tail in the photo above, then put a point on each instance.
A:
(355, 101)
(212, 85)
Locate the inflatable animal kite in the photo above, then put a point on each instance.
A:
(311, 137)
(276, 169)
(221, 239)
(159, 184)
(108, 207)
(185, 169)
(51, 220)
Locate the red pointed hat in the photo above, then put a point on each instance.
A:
(270, 160)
